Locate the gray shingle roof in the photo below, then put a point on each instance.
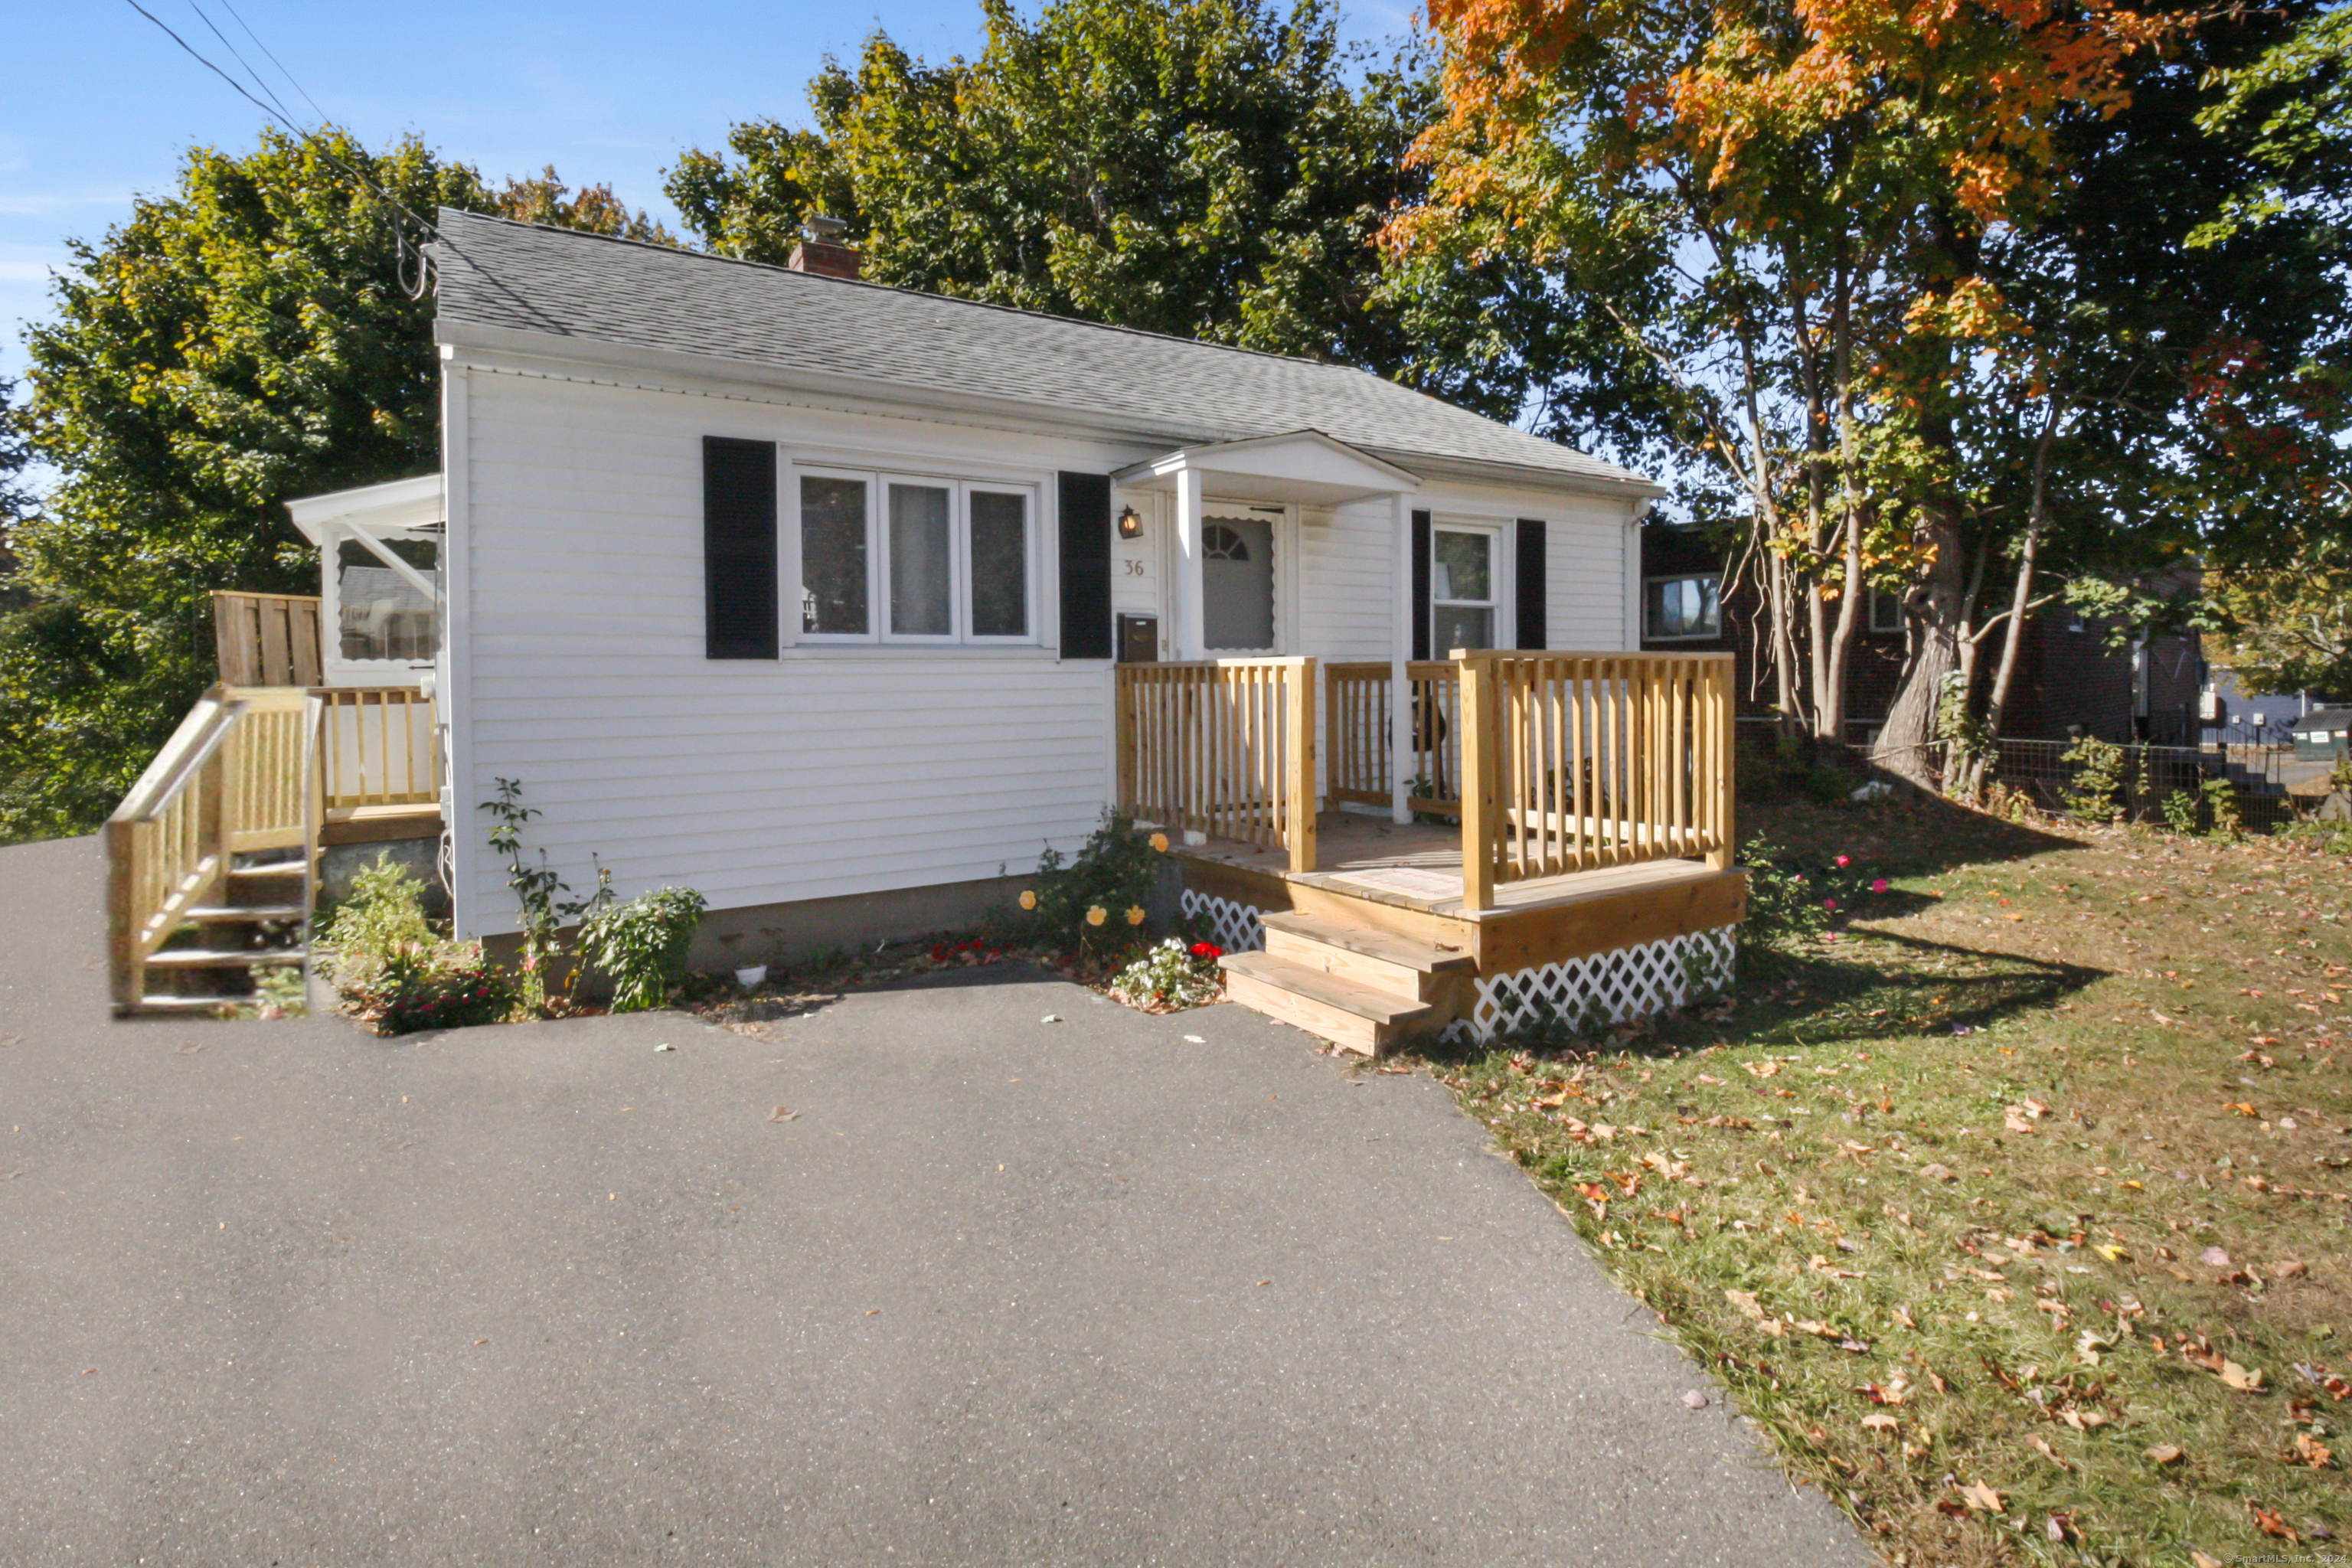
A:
(566, 284)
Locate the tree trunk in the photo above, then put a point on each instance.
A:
(1906, 745)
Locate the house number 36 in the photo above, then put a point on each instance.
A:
(1134, 567)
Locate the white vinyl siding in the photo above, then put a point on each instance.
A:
(830, 771)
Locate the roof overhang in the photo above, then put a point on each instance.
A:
(1300, 465)
(402, 505)
(564, 357)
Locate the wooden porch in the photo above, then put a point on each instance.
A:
(212, 855)
(1573, 816)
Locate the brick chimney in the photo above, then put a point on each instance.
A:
(821, 249)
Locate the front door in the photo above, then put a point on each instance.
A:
(1237, 584)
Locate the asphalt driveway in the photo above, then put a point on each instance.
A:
(999, 1291)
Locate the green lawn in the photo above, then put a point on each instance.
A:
(2016, 1211)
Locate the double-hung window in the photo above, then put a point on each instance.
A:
(904, 558)
(1462, 588)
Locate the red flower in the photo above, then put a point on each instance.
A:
(1843, 862)
(1207, 949)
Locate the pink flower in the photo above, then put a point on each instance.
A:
(1829, 903)
(1843, 861)
(1879, 886)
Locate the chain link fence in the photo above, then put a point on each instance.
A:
(2193, 788)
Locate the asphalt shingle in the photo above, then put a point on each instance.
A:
(565, 284)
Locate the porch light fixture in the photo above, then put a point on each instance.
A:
(1130, 525)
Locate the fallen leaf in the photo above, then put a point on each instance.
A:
(2201, 1560)
(2287, 1268)
(2214, 1258)
(481, 1342)
(1978, 1495)
(2239, 1378)
(2164, 1452)
(2312, 1451)
(784, 1113)
(2271, 1524)
(2017, 1121)
(1939, 1173)
(1880, 1422)
(2049, 1453)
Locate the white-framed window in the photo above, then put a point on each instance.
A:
(913, 558)
(1886, 611)
(379, 616)
(1464, 587)
(1686, 608)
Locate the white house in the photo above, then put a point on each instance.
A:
(837, 602)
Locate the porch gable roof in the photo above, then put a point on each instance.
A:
(1297, 466)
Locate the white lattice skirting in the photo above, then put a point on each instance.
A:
(1234, 927)
(1605, 987)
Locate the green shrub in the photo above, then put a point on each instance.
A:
(2228, 820)
(2180, 811)
(2090, 794)
(433, 985)
(1784, 906)
(384, 913)
(640, 943)
(393, 970)
(1099, 893)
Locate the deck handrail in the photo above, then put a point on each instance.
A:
(1222, 747)
(232, 779)
(377, 748)
(1576, 761)
(252, 769)
(1358, 756)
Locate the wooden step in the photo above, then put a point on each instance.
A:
(211, 958)
(268, 871)
(170, 1002)
(1360, 1017)
(224, 914)
(1403, 966)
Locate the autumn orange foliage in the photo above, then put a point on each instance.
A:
(1977, 86)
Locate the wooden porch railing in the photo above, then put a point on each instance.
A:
(1224, 747)
(377, 747)
(234, 778)
(1357, 768)
(265, 640)
(1576, 761)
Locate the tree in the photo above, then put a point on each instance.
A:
(1198, 167)
(243, 339)
(2287, 629)
(544, 198)
(15, 501)
(1773, 222)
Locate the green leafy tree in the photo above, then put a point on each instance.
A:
(544, 198)
(242, 339)
(2287, 629)
(1199, 167)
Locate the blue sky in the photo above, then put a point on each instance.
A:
(102, 104)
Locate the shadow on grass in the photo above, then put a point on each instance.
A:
(1914, 835)
(1858, 992)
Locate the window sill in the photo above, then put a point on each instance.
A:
(903, 650)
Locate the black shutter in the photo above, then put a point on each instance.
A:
(738, 548)
(1086, 565)
(1532, 584)
(1421, 585)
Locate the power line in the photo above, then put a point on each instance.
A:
(273, 58)
(283, 111)
(313, 140)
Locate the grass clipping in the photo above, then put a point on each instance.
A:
(2016, 1211)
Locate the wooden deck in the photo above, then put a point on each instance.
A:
(1406, 878)
(1418, 865)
